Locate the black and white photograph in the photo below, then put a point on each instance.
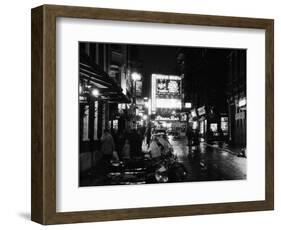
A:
(154, 114)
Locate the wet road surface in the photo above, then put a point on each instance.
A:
(207, 163)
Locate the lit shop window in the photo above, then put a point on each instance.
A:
(195, 125)
(202, 124)
(114, 124)
(214, 127)
(224, 124)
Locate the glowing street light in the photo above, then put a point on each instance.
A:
(136, 76)
(144, 117)
(95, 92)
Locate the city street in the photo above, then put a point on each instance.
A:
(139, 104)
(207, 163)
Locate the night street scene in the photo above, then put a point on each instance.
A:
(161, 114)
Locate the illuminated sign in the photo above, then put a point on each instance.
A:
(172, 118)
(163, 86)
(224, 124)
(166, 103)
(153, 93)
(195, 125)
(193, 113)
(214, 127)
(138, 88)
(188, 105)
(168, 86)
(242, 102)
(224, 119)
(201, 110)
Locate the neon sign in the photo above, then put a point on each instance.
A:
(163, 86)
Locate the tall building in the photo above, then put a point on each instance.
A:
(204, 72)
(236, 97)
(106, 95)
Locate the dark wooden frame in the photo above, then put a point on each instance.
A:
(43, 205)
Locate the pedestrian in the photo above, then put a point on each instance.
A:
(154, 148)
(195, 137)
(126, 150)
(167, 147)
(107, 146)
(139, 141)
(135, 143)
(119, 141)
(148, 135)
(189, 135)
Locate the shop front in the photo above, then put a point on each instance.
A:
(210, 125)
(217, 127)
(99, 97)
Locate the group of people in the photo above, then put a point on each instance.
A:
(127, 144)
(124, 144)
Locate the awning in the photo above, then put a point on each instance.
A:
(99, 79)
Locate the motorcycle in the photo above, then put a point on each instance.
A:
(146, 170)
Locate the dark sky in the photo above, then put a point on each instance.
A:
(163, 60)
(156, 59)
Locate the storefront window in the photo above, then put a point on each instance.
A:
(224, 124)
(214, 127)
(195, 125)
(202, 127)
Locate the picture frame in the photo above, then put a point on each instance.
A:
(43, 160)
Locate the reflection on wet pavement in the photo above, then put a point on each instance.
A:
(206, 163)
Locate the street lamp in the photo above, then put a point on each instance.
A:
(136, 76)
(95, 92)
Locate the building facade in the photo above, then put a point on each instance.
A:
(204, 74)
(236, 97)
(106, 96)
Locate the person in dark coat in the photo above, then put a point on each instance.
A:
(148, 135)
(107, 146)
(189, 134)
(135, 143)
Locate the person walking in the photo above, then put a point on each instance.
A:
(189, 135)
(167, 147)
(107, 146)
(154, 148)
(148, 135)
(126, 150)
(135, 143)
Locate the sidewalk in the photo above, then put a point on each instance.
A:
(224, 146)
